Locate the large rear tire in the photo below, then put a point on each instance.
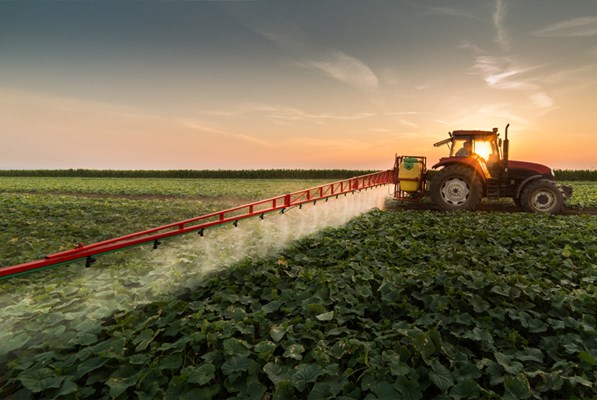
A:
(456, 188)
(542, 196)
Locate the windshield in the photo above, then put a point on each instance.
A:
(461, 148)
(465, 147)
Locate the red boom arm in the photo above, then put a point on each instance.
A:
(198, 224)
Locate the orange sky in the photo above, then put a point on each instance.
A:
(335, 84)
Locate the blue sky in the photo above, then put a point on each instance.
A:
(327, 84)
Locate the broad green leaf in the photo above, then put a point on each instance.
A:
(123, 378)
(90, 365)
(276, 373)
(409, 389)
(233, 346)
(506, 362)
(235, 364)
(587, 357)
(202, 374)
(277, 332)
(295, 351)
(440, 376)
(172, 361)
(581, 381)
(321, 391)
(516, 387)
(271, 306)
(305, 374)
(13, 342)
(38, 380)
(385, 391)
(68, 387)
(328, 316)
(466, 389)
(265, 347)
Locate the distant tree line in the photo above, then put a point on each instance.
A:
(561, 174)
(187, 173)
(576, 174)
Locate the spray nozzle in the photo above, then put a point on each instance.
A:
(89, 260)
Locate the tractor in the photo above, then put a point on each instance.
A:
(478, 167)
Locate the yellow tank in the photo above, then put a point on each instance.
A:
(410, 168)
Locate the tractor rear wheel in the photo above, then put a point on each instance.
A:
(542, 196)
(456, 188)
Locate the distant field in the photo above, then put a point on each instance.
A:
(238, 189)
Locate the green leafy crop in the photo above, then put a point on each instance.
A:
(410, 305)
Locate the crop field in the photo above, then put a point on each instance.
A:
(326, 302)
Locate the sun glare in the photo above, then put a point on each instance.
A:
(483, 149)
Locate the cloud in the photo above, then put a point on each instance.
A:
(498, 21)
(542, 100)
(409, 124)
(503, 73)
(275, 111)
(205, 127)
(577, 27)
(306, 52)
(346, 69)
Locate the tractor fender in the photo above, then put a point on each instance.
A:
(523, 183)
(467, 161)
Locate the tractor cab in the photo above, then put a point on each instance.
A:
(485, 145)
(482, 149)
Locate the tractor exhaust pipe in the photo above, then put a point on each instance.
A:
(506, 151)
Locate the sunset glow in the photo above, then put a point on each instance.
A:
(483, 149)
(330, 84)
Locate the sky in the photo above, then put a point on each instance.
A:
(292, 84)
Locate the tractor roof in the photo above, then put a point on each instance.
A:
(474, 133)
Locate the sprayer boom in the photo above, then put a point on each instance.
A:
(199, 224)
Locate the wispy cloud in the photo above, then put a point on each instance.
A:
(577, 27)
(409, 124)
(498, 21)
(279, 112)
(284, 113)
(503, 73)
(542, 100)
(207, 127)
(334, 63)
(346, 69)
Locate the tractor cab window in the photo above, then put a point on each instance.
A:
(483, 149)
(461, 148)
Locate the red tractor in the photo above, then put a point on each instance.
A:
(478, 167)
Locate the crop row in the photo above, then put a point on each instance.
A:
(237, 189)
(392, 305)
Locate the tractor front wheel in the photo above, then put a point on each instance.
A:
(456, 188)
(542, 196)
